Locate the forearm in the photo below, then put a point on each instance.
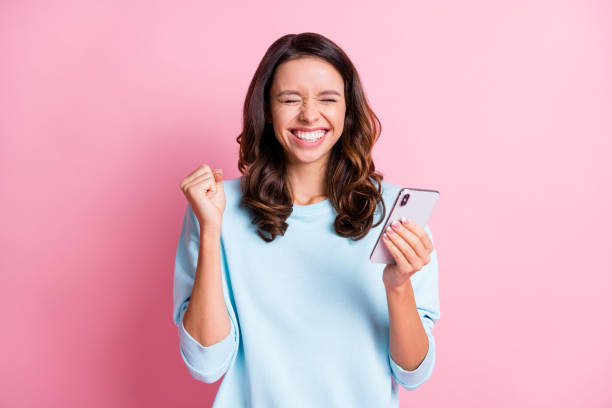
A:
(206, 318)
(408, 342)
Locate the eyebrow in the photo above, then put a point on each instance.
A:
(290, 92)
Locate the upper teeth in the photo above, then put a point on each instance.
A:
(310, 135)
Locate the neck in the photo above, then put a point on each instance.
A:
(307, 182)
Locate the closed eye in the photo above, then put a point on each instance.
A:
(295, 100)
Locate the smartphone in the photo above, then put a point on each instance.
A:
(413, 203)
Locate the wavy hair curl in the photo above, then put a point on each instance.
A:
(350, 175)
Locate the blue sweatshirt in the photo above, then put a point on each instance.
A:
(309, 314)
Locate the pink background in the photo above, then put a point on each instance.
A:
(505, 107)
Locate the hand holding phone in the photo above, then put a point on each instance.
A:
(414, 204)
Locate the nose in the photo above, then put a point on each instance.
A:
(308, 112)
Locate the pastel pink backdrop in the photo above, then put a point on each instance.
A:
(505, 107)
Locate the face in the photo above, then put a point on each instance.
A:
(307, 108)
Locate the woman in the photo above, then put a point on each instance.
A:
(268, 288)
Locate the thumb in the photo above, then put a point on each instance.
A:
(218, 173)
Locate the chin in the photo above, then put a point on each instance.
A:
(306, 158)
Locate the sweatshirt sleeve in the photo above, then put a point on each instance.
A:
(206, 364)
(425, 285)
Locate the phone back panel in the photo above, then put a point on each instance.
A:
(414, 204)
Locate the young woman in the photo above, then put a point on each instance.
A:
(273, 285)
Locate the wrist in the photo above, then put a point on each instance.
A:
(210, 234)
(405, 289)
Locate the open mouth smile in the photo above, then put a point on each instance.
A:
(309, 138)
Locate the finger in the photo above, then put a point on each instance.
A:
(411, 238)
(199, 179)
(420, 233)
(204, 182)
(405, 249)
(399, 257)
(201, 170)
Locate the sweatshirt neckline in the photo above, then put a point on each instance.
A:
(318, 208)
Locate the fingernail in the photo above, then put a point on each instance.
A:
(390, 230)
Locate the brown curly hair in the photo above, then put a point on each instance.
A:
(350, 173)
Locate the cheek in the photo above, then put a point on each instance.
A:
(280, 118)
(337, 116)
(281, 115)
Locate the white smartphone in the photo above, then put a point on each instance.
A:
(413, 203)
